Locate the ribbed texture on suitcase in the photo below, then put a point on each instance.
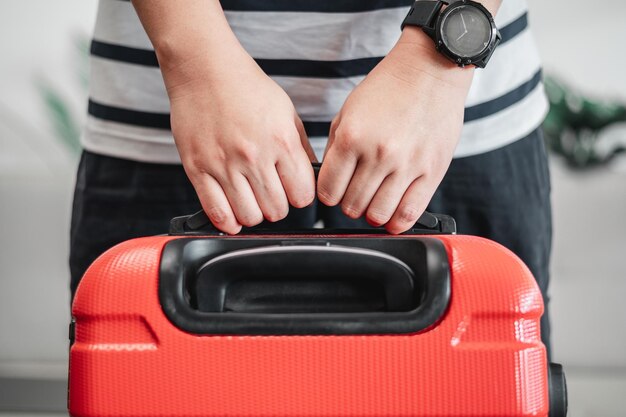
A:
(484, 358)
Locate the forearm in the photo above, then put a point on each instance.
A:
(192, 39)
(239, 137)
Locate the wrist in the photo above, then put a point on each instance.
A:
(194, 69)
(417, 54)
(209, 49)
(181, 32)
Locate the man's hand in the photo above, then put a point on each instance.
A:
(393, 140)
(240, 140)
(242, 146)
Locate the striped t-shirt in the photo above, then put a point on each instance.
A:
(317, 51)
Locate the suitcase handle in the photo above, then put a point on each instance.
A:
(304, 286)
(303, 278)
(199, 223)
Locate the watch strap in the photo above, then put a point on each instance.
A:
(423, 13)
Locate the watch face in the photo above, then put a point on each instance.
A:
(466, 31)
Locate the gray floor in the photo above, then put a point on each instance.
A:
(32, 395)
(32, 414)
(18, 414)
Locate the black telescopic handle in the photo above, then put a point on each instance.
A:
(195, 223)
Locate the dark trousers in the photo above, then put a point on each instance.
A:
(503, 195)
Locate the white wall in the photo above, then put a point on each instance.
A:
(36, 180)
(587, 49)
(583, 43)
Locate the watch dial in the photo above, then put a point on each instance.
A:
(466, 31)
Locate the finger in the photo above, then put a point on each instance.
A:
(296, 175)
(304, 139)
(411, 206)
(269, 194)
(335, 175)
(363, 186)
(242, 199)
(388, 196)
(216, 205)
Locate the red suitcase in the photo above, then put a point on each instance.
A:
(310, 324)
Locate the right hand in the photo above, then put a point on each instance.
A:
(242, 145)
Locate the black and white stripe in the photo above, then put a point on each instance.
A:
(284, 67)
(314, 66)
(309, 6)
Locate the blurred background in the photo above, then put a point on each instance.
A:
(43, 83)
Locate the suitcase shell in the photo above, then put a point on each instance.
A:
(481, 356)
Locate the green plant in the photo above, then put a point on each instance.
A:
(66, 127)
(585, 131)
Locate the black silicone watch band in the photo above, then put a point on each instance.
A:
(423, 13)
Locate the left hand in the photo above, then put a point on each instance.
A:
(393, 140)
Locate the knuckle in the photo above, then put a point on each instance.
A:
(283, 138)
(247, 153)
(233, 230)
(217, 214)
(198, 162)
(195, 166)
(326, 196)
(378, 216)
(348, 135)
(250, 220)
(396, 228)
(301, 194)
(277, 214)
(382, 151)
(351, 211)
(408, 213)
(303, 199)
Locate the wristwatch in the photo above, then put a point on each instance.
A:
(463, 32)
